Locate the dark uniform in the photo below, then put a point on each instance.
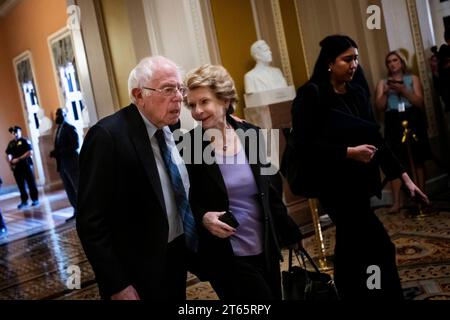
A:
(23, 170)
(2, 222)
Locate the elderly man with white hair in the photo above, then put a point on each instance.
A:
(134, 220)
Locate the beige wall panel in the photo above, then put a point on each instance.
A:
(294, 42)
(236, 32)
(10, 106)
(120, 42)
(26, 27)
(97, 54)
(320, 18)
(138, 29)
(266, 26)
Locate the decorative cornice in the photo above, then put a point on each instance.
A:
(255, 19)
(210, 32)
(6, 6)
(302, 38)
(150, 14)
(199, 33)
(281, 38)
(422, 63)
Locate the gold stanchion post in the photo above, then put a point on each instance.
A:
(408, 134)
(323, 264)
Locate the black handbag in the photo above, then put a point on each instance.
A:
(302, 284)
(296, 166)
(297, 170)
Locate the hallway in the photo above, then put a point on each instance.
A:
(40, 246)
(53, 210)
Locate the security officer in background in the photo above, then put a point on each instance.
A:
(19, 154)
(66, 154)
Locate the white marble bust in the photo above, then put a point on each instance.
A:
(45, 124)
(263, 77)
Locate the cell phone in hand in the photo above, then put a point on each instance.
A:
(390, 81)
(229, 219)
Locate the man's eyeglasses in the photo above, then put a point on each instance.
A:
(169, 91)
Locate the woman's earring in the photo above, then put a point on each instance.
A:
(329, 69)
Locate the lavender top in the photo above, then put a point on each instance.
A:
(243, 200)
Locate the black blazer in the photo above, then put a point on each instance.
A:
(66, 145)
(122, 221)
(208, 193)
(324, 126)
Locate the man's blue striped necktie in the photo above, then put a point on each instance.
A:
(182, 202)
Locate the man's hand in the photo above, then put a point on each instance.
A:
(129, 293)
(15, 161)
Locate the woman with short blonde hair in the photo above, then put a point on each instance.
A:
(239, 211)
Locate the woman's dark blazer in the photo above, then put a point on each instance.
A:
(324, 126)
(208, 193)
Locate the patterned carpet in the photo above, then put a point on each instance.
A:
(423, 253)
(35, 267)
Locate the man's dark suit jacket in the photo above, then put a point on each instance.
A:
(208, 193)
(122, 221)
(66, 145)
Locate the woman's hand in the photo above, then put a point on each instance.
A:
(414, 191)
(363, 153)
(399, 88)
(215, 226)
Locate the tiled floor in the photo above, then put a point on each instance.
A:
(40, 247)
(52, 211)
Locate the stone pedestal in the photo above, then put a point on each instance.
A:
(269, 97)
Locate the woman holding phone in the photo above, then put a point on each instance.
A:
(235, 196)
(400, 97)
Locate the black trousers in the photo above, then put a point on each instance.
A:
(24, 173)
(175, 276)
(361, 242)
(70, 182)
(247, 278)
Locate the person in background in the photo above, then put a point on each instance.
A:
(19, 156)
(400, 97)
(239, 211)
(66, 154)
(434, 65)
(340, 144)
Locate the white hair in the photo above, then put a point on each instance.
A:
(255, 47)
(144, 71)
